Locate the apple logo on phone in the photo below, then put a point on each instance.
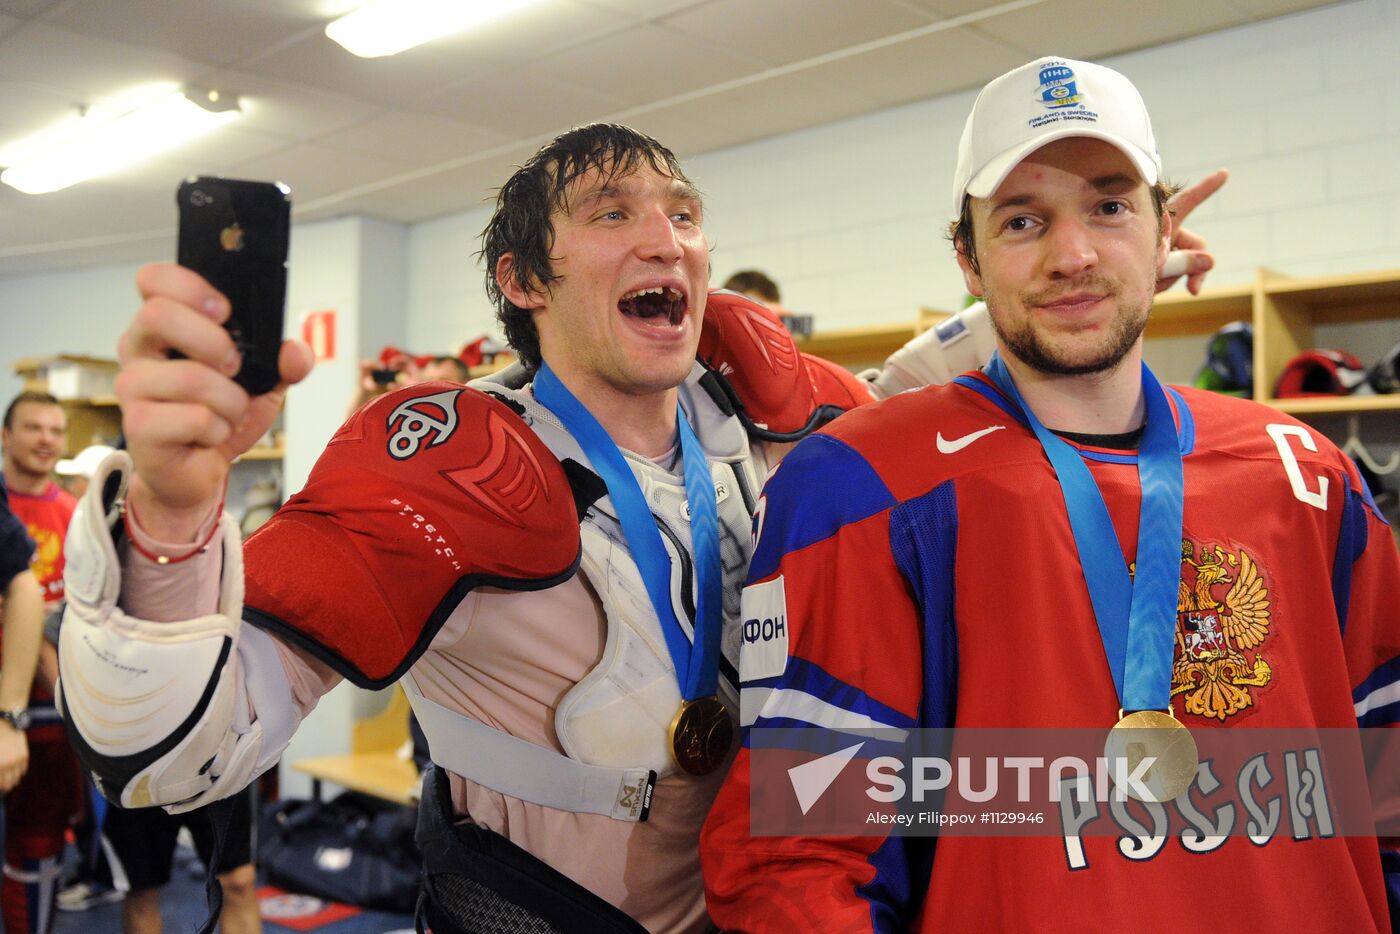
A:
(231, 238)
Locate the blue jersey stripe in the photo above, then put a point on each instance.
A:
(1351, 542)
(1380, 716)
(1186, 422)
(924, 541)
(1371, 504)
(811, 679)
(783, 733)
(1107, 458)
(1386, 674)
(1186, 427)
(992, 395)
(893, 895)
(800, 505)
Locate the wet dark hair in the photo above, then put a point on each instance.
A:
(29, 395)
(522, 223)
(960, 230)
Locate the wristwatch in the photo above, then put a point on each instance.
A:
(17, 718)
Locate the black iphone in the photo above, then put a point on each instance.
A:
(235, 234)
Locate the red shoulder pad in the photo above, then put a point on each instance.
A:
(833, 384)
(422, 495)
(780, 387)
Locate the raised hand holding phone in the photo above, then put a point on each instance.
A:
(184, 415)
(235, 234)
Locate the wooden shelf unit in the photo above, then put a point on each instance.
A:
(1336, 405)
(854, 347)
(1182, 314)
(1283, 311)
(97, 419)
(91, 421)
(1287, 310)
(380, 774)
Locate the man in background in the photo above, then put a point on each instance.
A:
(49, 796)
(755, 285)
(142, 841)
(21, 631)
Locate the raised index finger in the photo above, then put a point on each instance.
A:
(1188, 199)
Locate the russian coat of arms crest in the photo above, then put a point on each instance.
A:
(1222, 620)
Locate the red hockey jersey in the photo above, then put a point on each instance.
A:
(46, 518)
(931, 579)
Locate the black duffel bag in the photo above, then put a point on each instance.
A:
(353, 849)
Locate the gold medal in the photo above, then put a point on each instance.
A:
(702, 733)
(1157, 735)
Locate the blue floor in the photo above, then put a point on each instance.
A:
(183, 910)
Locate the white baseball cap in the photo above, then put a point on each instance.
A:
(1049, 99)
(86, 463)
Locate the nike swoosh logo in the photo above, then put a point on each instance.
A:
(957, 444)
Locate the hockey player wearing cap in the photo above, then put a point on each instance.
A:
(975, 573)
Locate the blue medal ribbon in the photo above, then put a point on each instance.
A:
(1136, 614)
(697, 665)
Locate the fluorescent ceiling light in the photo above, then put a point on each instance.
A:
(112, 136)
(388, 27)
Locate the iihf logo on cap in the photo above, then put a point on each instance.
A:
(1057, 87)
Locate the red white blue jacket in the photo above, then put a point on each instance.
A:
(931, 580)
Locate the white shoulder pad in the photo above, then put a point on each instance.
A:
(961, 342)
(154, 709)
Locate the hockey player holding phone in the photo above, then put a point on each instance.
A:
(550, 562)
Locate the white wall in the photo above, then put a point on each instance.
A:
(354, 266)
(447, 304)
(82, 312)
(1304, 110)
(850, 217)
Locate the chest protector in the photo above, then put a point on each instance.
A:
(634, 682)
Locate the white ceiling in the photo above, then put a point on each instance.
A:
(433, 130)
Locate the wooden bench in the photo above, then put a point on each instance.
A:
(381, 774)
(374, 765)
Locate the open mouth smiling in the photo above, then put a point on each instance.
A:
(658, 304)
